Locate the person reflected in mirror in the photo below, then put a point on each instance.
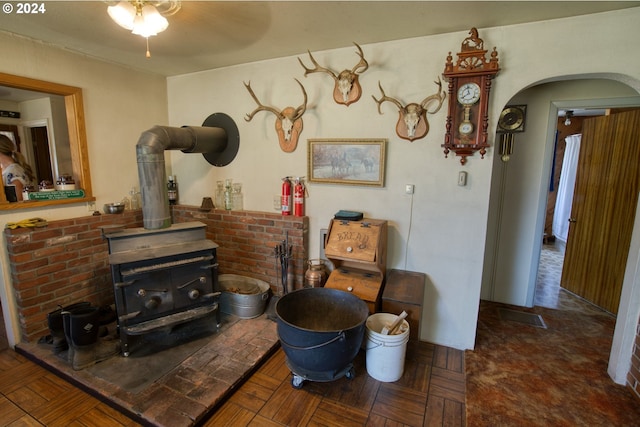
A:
(16, 172)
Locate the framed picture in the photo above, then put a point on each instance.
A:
(346, 161)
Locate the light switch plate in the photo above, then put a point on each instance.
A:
(462, 178)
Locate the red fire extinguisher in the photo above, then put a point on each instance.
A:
(286, 196)
(298, 197)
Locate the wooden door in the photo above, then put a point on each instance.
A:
(604, 208)
(40, 141)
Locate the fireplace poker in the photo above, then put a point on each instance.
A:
(271, 309)
(276, 252)
(283, 253)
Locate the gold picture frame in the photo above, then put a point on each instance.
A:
(346, 161)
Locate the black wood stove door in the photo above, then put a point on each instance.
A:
(151, 289)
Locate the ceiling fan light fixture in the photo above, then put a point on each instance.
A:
(153, 19)
(142, 17)
(123, 14)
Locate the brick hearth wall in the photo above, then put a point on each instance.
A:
(62, 263)
(67, 261)
(247, 241)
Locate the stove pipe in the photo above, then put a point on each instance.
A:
(219, 145)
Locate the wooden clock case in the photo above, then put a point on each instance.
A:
(472, 66)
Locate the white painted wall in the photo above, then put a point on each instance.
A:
(445, 232)
(442, 237)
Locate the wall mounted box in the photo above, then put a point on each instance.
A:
(358, 251)
(404, 290)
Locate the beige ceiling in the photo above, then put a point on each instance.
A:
(212, 34)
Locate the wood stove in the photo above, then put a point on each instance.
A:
(162, 278)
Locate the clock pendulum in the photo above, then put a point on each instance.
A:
(466, 127)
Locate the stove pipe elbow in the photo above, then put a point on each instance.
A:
(219, 146)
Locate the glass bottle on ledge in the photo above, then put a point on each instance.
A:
(237, 197)
(126, 202)
(135, 198)
(219, 202)
(172, 191)
(228, 194)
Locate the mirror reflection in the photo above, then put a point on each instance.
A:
(36, 123)
(45, 123)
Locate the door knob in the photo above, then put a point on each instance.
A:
(572, 220)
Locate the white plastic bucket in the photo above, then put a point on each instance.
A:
(385, 353)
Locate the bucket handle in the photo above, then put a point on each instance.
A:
(334, 339)
(375, 346)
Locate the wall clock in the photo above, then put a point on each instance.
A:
(512, 118)
(469, 88)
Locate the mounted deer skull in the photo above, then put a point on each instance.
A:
(412, 123)
(288, 121)
(347, 89)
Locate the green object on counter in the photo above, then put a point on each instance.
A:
(56, 195)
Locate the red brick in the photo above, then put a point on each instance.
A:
(48, 251)
(27, 284)
(75, 229)
(60, 240)
(26, 247)
(24, 257)
(45, 233)
(24, 276)
(31, 265)
(51, 268)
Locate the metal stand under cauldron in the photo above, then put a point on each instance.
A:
(321, 331)
(300, 375)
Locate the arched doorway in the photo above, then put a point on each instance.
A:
(519, 193)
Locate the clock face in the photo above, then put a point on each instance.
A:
(465, 128)
(469, 93)
(512, 119)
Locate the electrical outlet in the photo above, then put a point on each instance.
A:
(408, 189)
(91, 206)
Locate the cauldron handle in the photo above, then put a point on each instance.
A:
(334, 339)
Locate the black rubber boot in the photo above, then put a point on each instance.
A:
(56, 326)
(81, 327)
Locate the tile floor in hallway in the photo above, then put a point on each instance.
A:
(549, 274)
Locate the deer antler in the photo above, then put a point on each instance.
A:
(386, 98)
(360, 67)
(260, 106)
(303, 107)
(439, 95)
(363, 62)
(318, 68)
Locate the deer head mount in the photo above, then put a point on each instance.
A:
(347, 89)
(288, 121)
(412, 123)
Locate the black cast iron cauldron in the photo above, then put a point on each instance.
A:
(321, 331)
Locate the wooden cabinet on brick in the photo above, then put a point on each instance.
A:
(404, 290)
(358, 251)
